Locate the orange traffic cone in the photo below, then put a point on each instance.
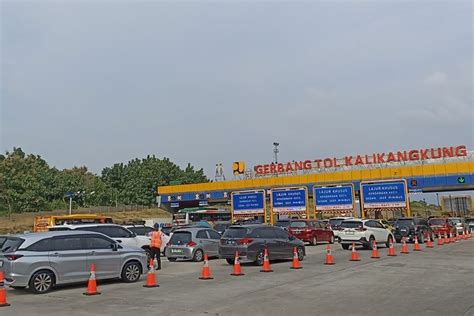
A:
(354, 255)
(375, 252)
(416, 246)
(429, 244)
(404, 247)
(296, 262)
(92, 283)
(266, 262)
(440, 240)
(391, 250)
(206, 271)
(150, 276)
(464, 235)
(3, 291)
(446, 239)
(237, 269)
(329, 258)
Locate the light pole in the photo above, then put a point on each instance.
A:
(276, 151)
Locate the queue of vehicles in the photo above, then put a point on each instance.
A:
(63, 255)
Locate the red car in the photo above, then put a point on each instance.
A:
(442, 226)
(312, 231)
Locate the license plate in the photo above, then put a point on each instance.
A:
(176, 250)
(350, 233)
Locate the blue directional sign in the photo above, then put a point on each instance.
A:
(334, 198)
(384, 194)
(248, 202)
(291, 200)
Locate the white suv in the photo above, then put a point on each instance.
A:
(116, 232)
(364, 232)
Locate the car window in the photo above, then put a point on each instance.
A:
(405, 222)
(11, 244)
(42, 245)
(111, 231)
(235, 232)
(281, 234)
(437, 221)
(351, 224)
(97, 242)
(213, 234)
(369, 224)
(202, 234)
(319, 225)
(377, 225)
(67, 243)
(268, 232)
(141, 231)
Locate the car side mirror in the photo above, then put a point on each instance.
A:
(114, 247)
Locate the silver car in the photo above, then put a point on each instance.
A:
(192, 243)
(40, 261)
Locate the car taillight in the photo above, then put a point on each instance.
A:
(13, 257)
(191, 244)
(244, 241)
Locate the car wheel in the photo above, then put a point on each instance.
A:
(198, 256)
(131, 272)
(300, 252)
(230, 260)
(41, 282)
(331, 239)
(172, 259)
(345, 246)
(368, 246)
(314, 241)
(259, 257)
(389, 240)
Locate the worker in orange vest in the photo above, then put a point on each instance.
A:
(155, 244)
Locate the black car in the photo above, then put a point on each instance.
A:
(409, 227)
(221, 227)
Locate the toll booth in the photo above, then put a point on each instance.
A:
(334, 200)
(290, 203)
(384, 199)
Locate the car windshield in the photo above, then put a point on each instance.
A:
(335, 221)
(180, 238)
(469, 220)
(235, 232)
(282, 223)
(299, 224)
(11, 244)
(351, 224)
(437, 221)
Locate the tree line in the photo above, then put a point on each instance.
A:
(29, 184)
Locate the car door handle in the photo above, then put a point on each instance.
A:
(92, 253)
(56, 254)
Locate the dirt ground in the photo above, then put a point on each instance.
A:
(19, 223)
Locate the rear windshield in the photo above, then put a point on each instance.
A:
(299, 224)
(437, 221)
(455, 220)
(351, 224)
(405, 222)
(220, 227)
(469, 220)
(335, 222)
(235, 232)
(282, 224)
(11, 244)
(180, 238)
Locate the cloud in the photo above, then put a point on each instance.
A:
(436, 78)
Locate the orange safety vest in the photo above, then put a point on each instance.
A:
(155, 239)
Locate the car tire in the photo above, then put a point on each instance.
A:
(172, 259)
(41, 282)
(131, 272)
(314, 241)
(198, 255)
(259, 257)
(331, 239)
(229, 260)
(389, 240)
(345, 246)
(300, 252)
(368, 245)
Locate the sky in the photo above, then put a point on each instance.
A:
(98, 82)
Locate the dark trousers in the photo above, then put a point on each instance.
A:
(156, 254)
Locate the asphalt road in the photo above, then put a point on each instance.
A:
(437, 281)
